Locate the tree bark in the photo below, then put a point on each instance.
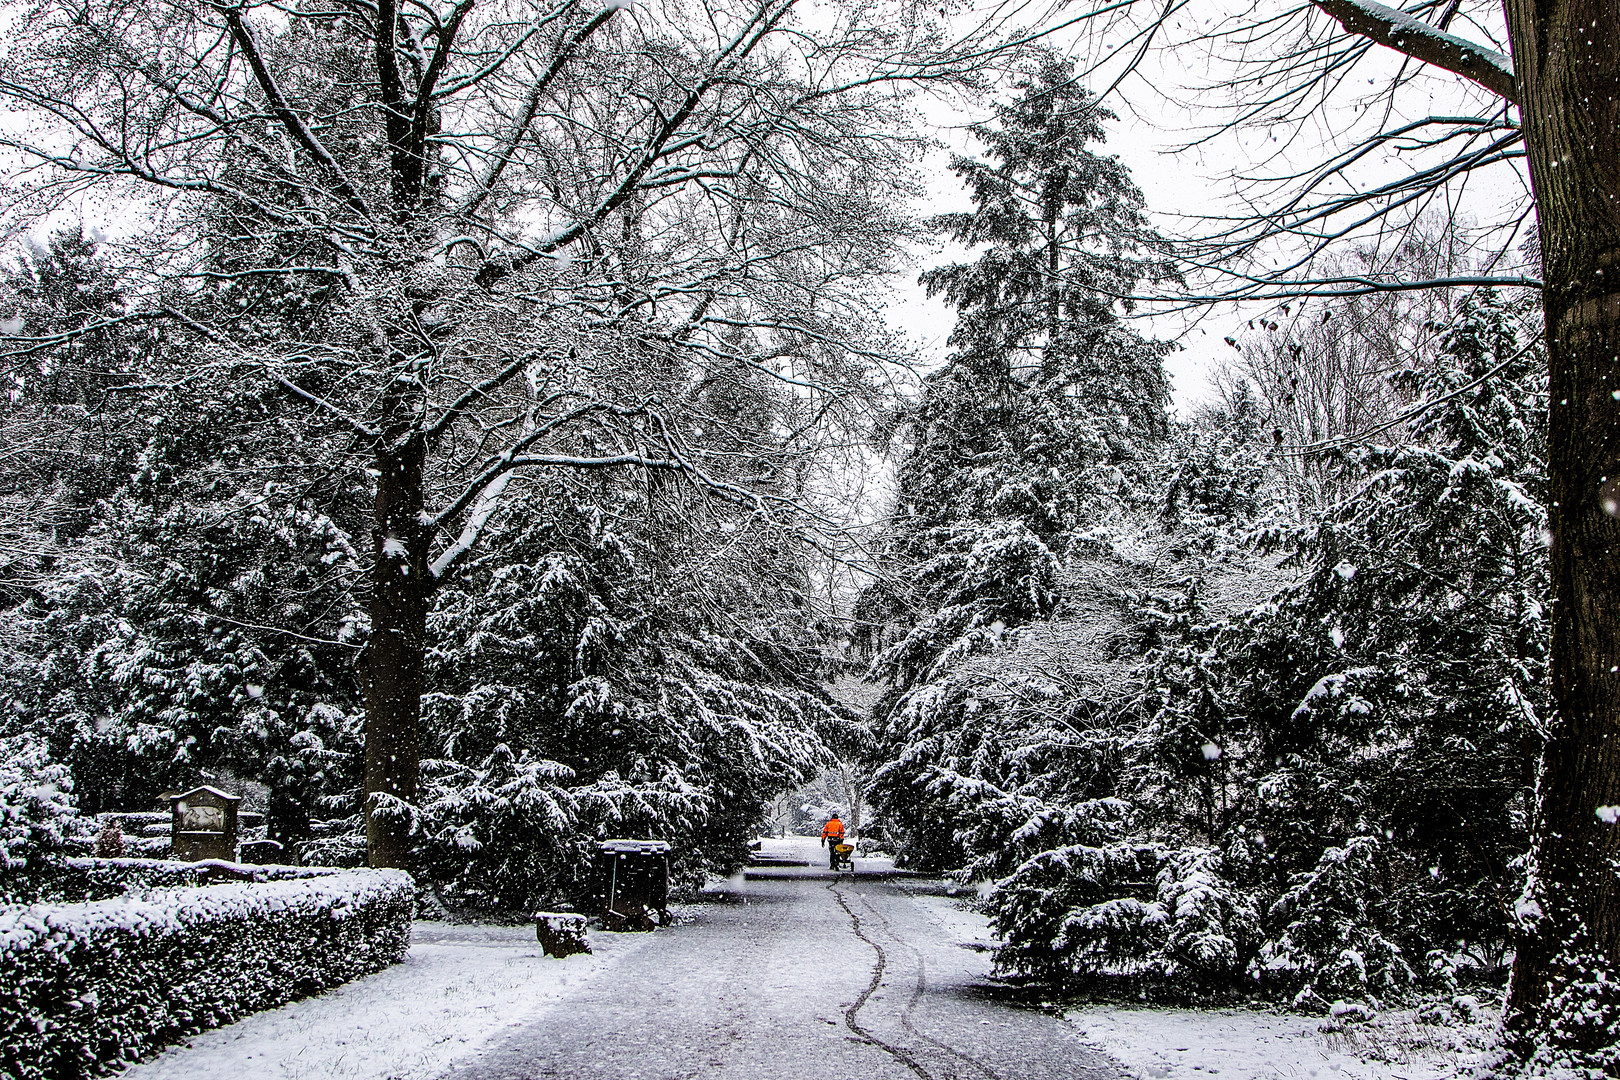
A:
(402, 583)
(401, 589)
(1564, 995)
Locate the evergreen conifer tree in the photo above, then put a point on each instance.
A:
(1335, 776)
(1040, 429)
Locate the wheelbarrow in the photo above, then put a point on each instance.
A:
(843, 857)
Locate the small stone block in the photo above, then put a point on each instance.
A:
(561, 933)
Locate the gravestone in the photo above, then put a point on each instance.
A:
(110, 840)
(203, 824)
(263, 852)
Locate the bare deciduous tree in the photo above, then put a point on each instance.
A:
(1331, 373)
(516, 235)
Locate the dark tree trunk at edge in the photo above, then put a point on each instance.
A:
(1567, 62)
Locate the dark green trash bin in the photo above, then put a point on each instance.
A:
(630, 879)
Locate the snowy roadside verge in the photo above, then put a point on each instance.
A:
(1252, 1044)
(456, 988)
(1173, 1044)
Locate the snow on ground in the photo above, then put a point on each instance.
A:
(1175, 1044)
(462, 985)
(1244, 1044)
(962, 924)
(458, 986)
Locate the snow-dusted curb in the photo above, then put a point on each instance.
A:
(84, 987)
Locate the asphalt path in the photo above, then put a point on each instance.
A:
(801, 974)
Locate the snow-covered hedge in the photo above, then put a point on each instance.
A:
(84, 987)
(80, 880)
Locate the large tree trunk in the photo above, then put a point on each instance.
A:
(1565, 991)
(399, 605)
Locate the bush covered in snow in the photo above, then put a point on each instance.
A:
(1129, 910)
(1327, 938)
(86, 987)
(36, 806)
(78, 880)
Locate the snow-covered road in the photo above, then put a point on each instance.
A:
(800, 975)
(779, 974)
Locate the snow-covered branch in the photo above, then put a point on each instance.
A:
(1410, 35)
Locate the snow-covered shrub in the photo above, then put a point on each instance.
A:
(1139, 911)
(1075, 909)
(346, 850)
(498, 833)
(36, 805)
(1211, 926)
(87, 987)
(80, 880)
(1327, 940)
(1583, 1013)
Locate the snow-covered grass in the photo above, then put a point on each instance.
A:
(457, 987)
(1174, 1044)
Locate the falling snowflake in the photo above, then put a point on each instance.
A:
(1609, 496)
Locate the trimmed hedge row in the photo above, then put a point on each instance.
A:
(80, 880)
(87, 987)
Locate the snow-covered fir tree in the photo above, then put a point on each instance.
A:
(1036, 435)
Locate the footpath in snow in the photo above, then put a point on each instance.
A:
(459, 986)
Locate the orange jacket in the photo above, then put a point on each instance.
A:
(833, 830)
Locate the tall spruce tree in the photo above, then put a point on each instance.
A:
(1049, 399)
(1038, 429)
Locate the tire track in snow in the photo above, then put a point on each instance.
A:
(916, 996)
(877, 978)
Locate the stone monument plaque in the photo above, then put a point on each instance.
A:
(203, 824)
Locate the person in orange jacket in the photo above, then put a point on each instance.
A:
(832, 834)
